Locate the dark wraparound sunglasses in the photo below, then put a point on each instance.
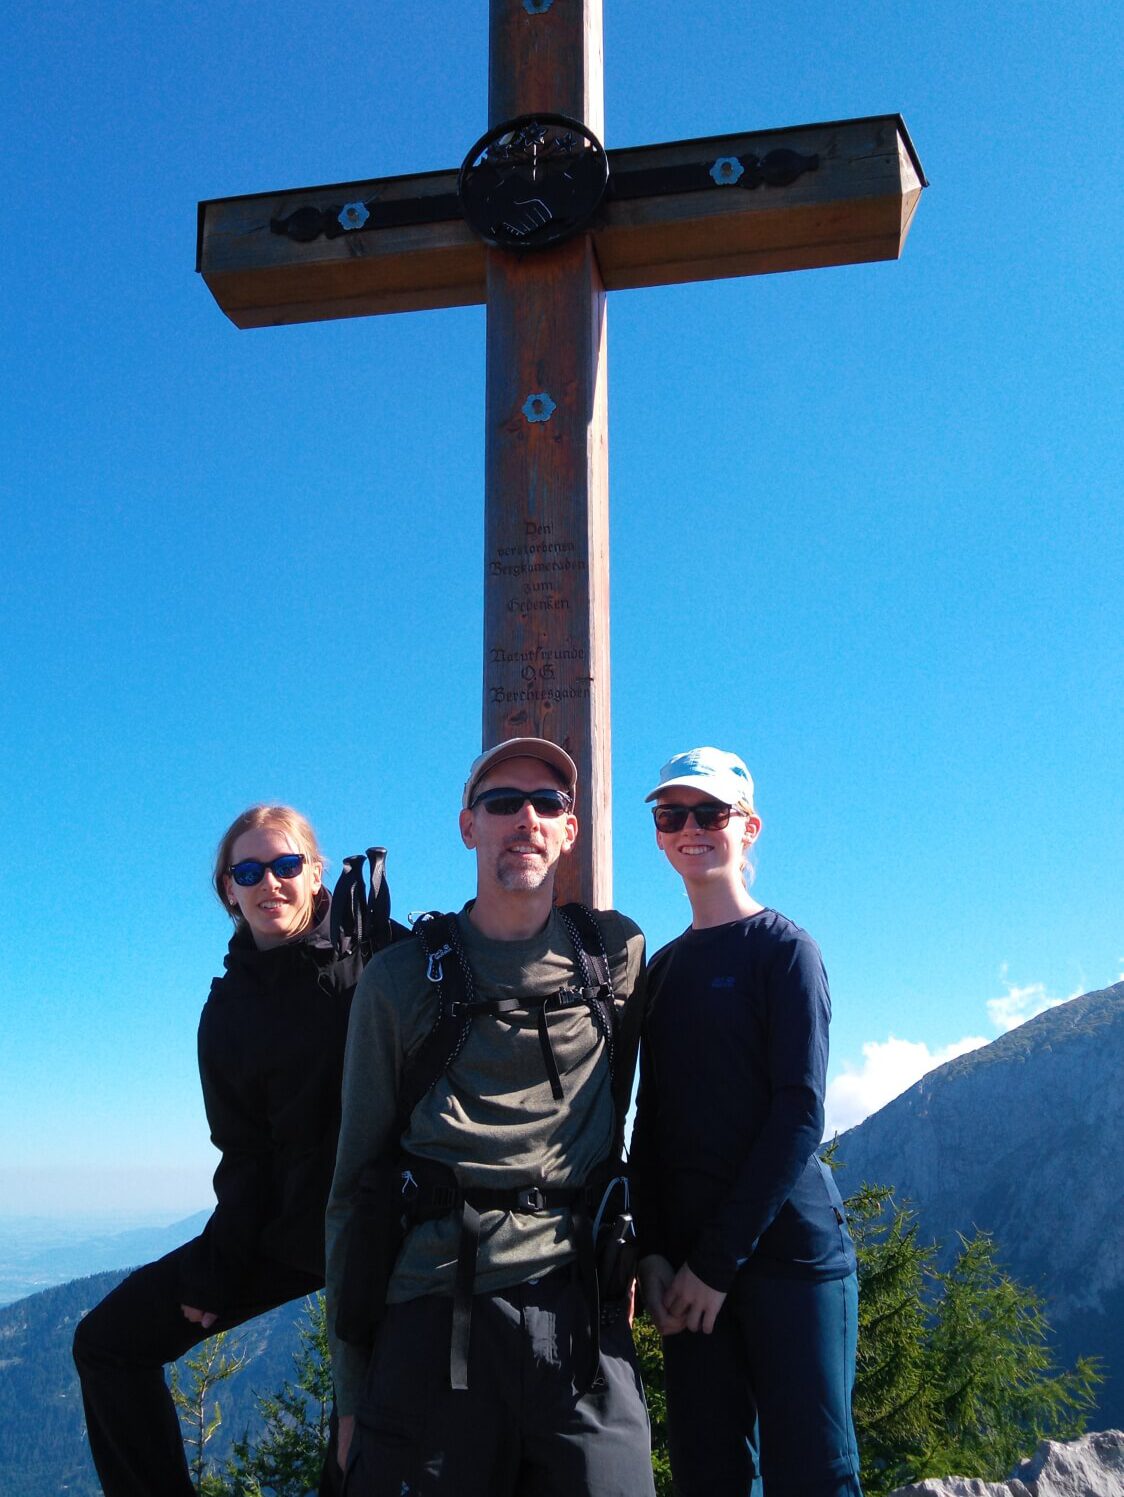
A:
(504, 801)
(250, 871)
(709, 817)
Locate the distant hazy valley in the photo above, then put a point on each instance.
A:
(38, 1252)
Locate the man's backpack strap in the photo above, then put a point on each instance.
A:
(447, 965)
(360, 921)
(621, 1021)
(589, 948)
(379, 1219)
(585, 933)
(447, 968)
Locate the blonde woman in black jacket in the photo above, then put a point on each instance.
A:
(271, 1041)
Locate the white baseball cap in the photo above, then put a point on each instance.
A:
(717, 773)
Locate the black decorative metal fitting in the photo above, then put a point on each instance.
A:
(532, 181)
(308, 223)
(535, 180)
(776, 168)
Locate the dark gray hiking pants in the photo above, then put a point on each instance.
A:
(519, 1429)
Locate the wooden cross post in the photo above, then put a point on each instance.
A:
(743, 204)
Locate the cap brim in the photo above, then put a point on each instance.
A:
(694, 782)
(730, 792)
(521, 748)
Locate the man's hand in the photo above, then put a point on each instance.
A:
(343, 1439)
(693, 1303)
(656, 1277)
(205, 1318)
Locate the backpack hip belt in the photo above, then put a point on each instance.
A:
(431, 1191)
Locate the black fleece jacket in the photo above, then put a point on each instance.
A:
(271, 1043)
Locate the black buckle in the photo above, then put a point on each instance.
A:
(531, 1199)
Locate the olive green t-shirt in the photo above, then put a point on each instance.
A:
(491, 1117)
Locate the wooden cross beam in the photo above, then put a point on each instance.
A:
(746, 204)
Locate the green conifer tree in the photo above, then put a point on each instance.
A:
(649, 1354)
(208, 1367)
(994, 1390)
(955, 1376)
(286, 1458)
(891, 1401)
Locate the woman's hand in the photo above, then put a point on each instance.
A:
(693, 1303)
(343, 1439)
(205, 1318)
(656, 1276)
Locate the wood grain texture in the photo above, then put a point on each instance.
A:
(856, 206)
(546, 547)
(552, 61)
(546, 544)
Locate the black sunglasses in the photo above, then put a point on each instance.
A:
(504, 801)
(709, 817)
(250, 872)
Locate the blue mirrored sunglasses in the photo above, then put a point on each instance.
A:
(250, 871)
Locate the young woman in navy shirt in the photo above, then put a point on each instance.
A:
(747, 1267)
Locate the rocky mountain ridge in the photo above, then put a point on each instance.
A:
(1092, 1466)
(1021, 1139)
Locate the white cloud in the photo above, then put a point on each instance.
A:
(1020, 1004)
(889, 1068)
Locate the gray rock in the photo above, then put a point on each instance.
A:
(1092, 1466)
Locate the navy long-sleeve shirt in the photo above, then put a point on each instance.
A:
(732, 1072)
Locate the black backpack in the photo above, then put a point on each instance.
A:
(397, 1190)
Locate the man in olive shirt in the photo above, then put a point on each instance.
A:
(527, 1420)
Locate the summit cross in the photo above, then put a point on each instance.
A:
(538, 224)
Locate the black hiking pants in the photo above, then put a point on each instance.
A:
(519, 1429)
(121, 1349)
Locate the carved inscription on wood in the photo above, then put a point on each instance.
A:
(532, 582)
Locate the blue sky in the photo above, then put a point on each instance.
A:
(865, 530)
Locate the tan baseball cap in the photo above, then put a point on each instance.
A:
(521, 748)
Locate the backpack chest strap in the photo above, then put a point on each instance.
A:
(596, 1000)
